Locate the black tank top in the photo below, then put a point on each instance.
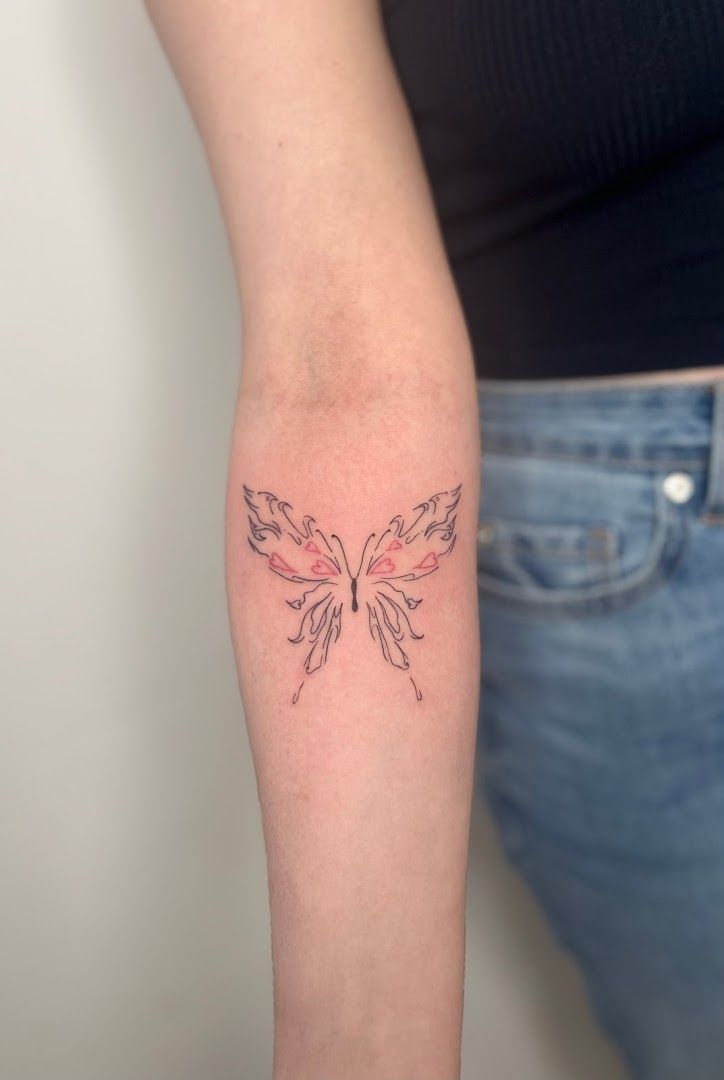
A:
(575, 150)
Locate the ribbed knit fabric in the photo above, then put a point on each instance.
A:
(576, 154)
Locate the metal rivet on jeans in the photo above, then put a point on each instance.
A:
(678, 487)
(485, 534)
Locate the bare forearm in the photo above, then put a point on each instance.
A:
(365, 778)
(355, 633)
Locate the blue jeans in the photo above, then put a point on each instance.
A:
(601, 748)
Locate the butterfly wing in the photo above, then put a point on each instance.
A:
(302, 554)
(406, 551)
(299, 553)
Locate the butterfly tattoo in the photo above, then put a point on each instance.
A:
(301, 553)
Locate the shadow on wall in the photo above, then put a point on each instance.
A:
(177, 981)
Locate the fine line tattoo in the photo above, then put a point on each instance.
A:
(303, 554)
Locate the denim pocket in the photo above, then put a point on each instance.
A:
(577, 541)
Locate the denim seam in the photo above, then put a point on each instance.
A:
(715, 481)
(597, 542)
(664, 551)
(564, 554)
(627, 462)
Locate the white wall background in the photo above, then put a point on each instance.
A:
(133, 908)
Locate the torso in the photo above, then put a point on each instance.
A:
(576, 154)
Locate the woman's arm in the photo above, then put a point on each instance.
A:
(356, 406)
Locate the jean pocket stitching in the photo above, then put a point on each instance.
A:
(595, 544)
(662, 556)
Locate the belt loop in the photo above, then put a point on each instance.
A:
(714, 505)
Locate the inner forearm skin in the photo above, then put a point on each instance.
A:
(365, 778)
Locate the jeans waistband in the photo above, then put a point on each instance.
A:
(657, 426)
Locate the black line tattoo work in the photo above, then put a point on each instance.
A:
(402, 552)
